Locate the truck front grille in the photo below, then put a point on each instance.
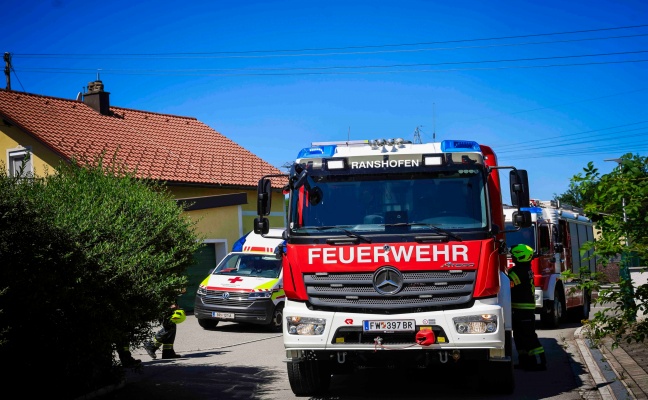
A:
(421, 291)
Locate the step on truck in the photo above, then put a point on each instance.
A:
(394, 256)
(556, 235)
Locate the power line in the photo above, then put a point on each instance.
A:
(212, 56)
(370, 66)
(338, 48)
(529, 143)
(221, 74)
(551, 107)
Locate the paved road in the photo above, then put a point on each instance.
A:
(245, 362)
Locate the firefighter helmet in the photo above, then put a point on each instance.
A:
(521, 253)
(178, 316)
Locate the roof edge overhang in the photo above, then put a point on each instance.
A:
(206, 202)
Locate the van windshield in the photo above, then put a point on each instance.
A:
(249, 264)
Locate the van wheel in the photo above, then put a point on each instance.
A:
(276, 322)
(208, 324)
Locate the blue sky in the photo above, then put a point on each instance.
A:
(550, 85)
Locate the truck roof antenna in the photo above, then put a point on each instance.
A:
(433, 123)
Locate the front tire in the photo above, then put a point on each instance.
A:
(498, 376)
(309, 377)
(276, 323)
(208, 324)
(553, 312)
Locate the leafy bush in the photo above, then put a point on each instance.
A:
(90, 257)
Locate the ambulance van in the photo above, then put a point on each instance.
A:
(246, 286)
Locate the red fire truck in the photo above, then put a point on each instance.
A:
(394, 256)
(556, 234)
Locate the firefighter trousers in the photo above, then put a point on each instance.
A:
(530, 351)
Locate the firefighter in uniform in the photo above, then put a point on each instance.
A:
(531, 355)
(165, 337)
(125, 356)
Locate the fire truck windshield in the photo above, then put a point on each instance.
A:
(449, 200)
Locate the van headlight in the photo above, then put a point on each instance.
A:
(266, 294)
(485, 323)
(202, 290)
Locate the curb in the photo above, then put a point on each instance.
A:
(602, 384)
(632, 375)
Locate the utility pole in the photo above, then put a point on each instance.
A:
(7, 59)
(433, 122)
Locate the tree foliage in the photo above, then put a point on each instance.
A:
(617, 201)
(578, 194)
(91, 257)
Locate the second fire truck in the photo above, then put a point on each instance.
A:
(556, 235)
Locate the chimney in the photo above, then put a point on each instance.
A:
(96, 98)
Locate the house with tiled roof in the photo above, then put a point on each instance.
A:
(215, 176)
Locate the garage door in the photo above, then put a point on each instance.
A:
(205, 261)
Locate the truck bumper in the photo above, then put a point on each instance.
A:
(343, 333)
(257, 312)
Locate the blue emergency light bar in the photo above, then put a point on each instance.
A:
(532, 209)
(448, 146)
(317, 152)
(238, 245)
(327, 149)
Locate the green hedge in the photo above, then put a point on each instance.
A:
(89, 256)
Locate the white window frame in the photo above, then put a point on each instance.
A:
(15, 158)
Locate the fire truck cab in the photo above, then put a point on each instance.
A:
(395, 256)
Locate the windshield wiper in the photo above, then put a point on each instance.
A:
(330, 227)
(436, 228)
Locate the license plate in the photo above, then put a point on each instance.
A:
(223, 315)
(398, 325)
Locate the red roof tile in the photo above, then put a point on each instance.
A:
(158, 146)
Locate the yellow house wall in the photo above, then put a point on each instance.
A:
(43, 159)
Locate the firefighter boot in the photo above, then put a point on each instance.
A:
(127, 360)
(169, 353)
(130, 362)
(538, 363)
(151, 349)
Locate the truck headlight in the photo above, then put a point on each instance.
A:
(485, 323)
(305, 326)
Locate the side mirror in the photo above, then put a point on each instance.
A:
(519, 182)
(264, 200)
(522, 219)
(315, 195)
(261, 226)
